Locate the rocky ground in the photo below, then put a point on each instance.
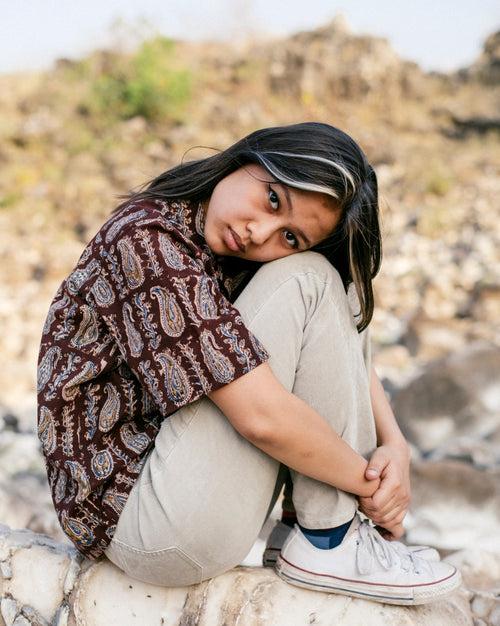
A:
(433, 139)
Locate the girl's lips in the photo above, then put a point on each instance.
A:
(233, 242)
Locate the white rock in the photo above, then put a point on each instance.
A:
(62, 615)
(480, 569)
(5, 569)
(482, 604)
(48, 568)
(20, 453)
(453, 397)
(454, 506)
(245, 596)
(9, 610)
(495, 617)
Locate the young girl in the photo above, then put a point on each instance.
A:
(204, 348)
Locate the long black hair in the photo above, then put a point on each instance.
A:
(310, 156)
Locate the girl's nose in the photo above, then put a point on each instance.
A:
(260, 231)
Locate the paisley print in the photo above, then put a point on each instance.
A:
(47, 366)
(148, 404)
(102, 464)
(242, 354)
(77, 531)
(176, 380)
(115, 500)
(70, 389)
(258, 348)
(110, 412)
(204, 300)
(110, 531)
(146, 243)
(144, 306)
(80, 276)
(131, 263)
(171, 255)
(60, 487)
(51, 316)
(103, 292)
(142, 326)
(134, 440)
(220, 366)
(171, 318)
(88, 331)
(199, 221)
(120, 223)
(197, 368)
(152, 383)
(181, 287)
(79, 475)
(47, 430)
(133, 335)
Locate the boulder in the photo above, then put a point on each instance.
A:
(454, 506)
(45, 582)
(481, 574)
(487, 67)
(455, 396)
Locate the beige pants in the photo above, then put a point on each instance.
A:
(205, 491)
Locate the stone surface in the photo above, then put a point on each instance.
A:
(245, 596)
(480, 569)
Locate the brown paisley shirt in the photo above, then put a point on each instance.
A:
(141, 327)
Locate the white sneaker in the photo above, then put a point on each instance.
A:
(365, 565)
(280, 532)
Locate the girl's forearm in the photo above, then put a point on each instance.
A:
(299, 437)
(281, 424)
(388, 431)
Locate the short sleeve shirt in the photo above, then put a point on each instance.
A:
(143, 326)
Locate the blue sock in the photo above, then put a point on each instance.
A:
(326, 538)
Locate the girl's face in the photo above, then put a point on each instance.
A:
(250, 216)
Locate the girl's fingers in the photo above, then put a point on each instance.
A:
(387, 515)
(383, 507)
(386, 508)
(393, 509)
(395, 519)
(391, 533)
(383, 502)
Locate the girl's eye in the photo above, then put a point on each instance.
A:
(294, 243)
(274, 198)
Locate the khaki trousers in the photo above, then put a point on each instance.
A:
(205, 491)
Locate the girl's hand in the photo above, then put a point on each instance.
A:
(389, 504)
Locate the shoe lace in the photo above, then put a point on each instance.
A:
(372, 548)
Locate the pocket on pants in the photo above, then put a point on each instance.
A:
(169, 567)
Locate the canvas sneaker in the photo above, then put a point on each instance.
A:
(280, 532)
(365, 565)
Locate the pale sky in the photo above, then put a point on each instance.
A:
(438, 34)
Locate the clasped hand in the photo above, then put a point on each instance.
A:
(388, 506)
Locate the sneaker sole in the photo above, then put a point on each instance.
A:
(398, 594)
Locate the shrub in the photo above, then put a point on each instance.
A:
(147, 84)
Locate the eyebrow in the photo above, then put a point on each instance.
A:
(290, 212)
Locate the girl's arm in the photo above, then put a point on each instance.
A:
(388, 432)
(391, 462)
(288, 429)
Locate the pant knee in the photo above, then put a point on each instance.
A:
(305, 262)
